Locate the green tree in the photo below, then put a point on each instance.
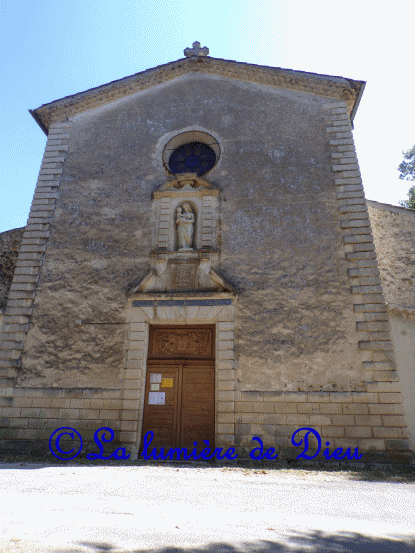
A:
(407, 172)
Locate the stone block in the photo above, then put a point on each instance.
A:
(386, 376)
(243, 406)
(42, 402)
(345, 174)
(68, 414)
(225, 395)
(56, 148)
(340, 397)
(60, 402)
(225, 428)
(274, 397)
(311, 408)
(134, 374)
(364, 397)
(355, 223)
(393, 420)
(321, 420)
(133, 384)
(128, 437)
(319, 397)
(358, 432)
(225, 406)
(225, 335)
(367, 289)
(341, 141)
(226, 385)
(131, 403)
(364, 247)
(344, 443)
(371, 444)
(287, 407)
(343, 420)
(380, 345)
(130, 394)
(225, 374)
(224, 345)
(30, 412)
(332, 431)
(338, 181)
(396, 445)
(345, 167)
(355, 409)
(342, 188)
(381, 409)
(350, 208)
(331, 408)
(134, 364)
(54, 171)
(390, 432)
(226, 417)
(112, 414)
(137, 336)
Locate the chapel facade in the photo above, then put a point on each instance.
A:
(199, 262)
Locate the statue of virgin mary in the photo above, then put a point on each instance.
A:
(185, 221)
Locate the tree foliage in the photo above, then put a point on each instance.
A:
(407, 172)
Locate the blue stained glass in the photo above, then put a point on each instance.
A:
(194, 157)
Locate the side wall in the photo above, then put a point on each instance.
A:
(394, 234)
(9, 250)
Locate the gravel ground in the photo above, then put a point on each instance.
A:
(175, 508)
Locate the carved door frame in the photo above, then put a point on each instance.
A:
(218, 310)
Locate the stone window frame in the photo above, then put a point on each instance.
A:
(186, 137)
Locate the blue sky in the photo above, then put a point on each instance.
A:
(51, 49)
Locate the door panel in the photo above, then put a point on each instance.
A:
(162, 419)
(188, 414)
(198, 406)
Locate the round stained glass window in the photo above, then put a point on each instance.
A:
(194, 157)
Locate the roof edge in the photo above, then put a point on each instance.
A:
(38, 121)
(332, 86)
(391, 207)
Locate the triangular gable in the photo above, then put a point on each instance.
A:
(339, 88)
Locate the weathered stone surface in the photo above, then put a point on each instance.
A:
(9, 249)
(394, 235)
(283, 253)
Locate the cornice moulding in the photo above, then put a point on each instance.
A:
(339, 88)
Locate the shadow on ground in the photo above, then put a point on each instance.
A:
(399, 473)
(314, 542)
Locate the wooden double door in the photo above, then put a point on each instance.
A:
(179, 402)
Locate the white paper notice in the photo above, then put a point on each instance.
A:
(156, 398)
(155, 378)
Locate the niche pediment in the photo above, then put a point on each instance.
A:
(182, 273)
(186, 182)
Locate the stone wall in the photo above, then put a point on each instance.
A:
(281, 251)
(9, 250)
(394, 234)
(310, 337)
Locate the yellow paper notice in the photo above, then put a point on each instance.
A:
(167, 383)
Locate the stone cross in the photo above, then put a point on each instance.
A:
(196, 50)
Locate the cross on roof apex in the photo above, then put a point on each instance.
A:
(196, 50)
